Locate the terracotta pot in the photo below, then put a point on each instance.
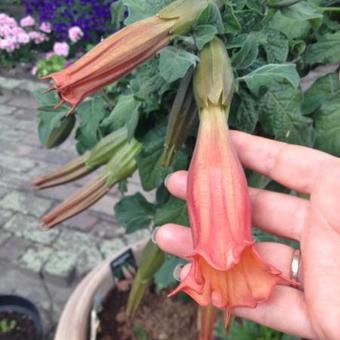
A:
(74, 321)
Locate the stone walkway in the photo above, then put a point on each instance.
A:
(44, 266)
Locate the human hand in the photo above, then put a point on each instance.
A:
(313, 312)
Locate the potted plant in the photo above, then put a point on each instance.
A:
(200, 62)
(19, 319)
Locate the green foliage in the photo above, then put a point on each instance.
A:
(90, 114)
(7, 326)
(141, 9)
(50, 65)
(164, 277)
(325, 50)
(281, 117)
(174, 63)
(134, 212)
(327, 126)
(53, 127)
(271, 74)
(323, 89)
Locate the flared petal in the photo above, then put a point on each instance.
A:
(246, 284)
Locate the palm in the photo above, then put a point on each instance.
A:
(315, 223)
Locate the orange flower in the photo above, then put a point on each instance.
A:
(111, 59)
(123, 51)
(226, 269)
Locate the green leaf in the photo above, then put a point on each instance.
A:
(175, 62)
(325, 50)
(149, 160)
(164, 277)
(91, 113)
(173, 211)
(280, 115)
(50, 121)
(204, 34)
(126, 112)
(270, 74)
(211, 16)
(134, 212)
(323, 89)
(231, 23)
(117, 14)
(43, 99)
(296, 21)
(248, 52)
(327, 126)
(276, 47)
(141, 9)
(246, 115)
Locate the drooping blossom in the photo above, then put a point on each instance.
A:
(61, 48)
(75, 33)
(123, 51)
(226, 269)
(27, 21)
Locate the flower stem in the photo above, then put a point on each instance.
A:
(330, 9)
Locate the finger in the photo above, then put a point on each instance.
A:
(284, 311)
(177, 240)
(295, 167)
(177, 184)
(277, 213)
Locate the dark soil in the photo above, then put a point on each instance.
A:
(22, 328)
(158, 318)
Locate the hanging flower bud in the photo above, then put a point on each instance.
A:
(120, 167)
(91, 160)
(123, 51)
(182, 118)
(226, 269)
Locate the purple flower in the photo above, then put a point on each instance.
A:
(75, 33)
(27, 21)
(61, 48)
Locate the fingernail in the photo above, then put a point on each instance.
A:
(167, 180)
(177, 272)
(153, 235)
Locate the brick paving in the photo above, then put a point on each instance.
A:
(44, 266)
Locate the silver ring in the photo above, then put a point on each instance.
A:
(295, 265)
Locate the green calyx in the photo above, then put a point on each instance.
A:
(152, 260)
(184, 12)
(214, 78)
(123, 162)
(105, 149)
(181, 119)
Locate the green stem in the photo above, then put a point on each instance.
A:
(282, 4)
(330, 9)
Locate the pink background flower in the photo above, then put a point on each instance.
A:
(75, 33)
(27, 21)
(61, 48)
(46, 27)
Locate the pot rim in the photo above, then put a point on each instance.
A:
(21, 305)
(74, 320)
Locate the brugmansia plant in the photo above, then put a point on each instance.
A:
(184, 72)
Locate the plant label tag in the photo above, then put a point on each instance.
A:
(124, 267)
